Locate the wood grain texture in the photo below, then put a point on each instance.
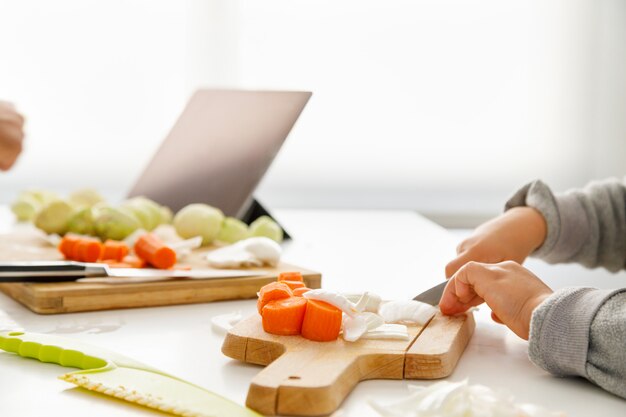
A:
(307, 378)
(69, 297)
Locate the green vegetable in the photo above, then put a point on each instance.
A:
(265, 226)
(86, 197)
(82, 222)
(148, 212)
(115, 223)
(232, 230)
(199, 220)
(25, 207)
(54, 217)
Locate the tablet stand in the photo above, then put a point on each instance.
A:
(255, 211)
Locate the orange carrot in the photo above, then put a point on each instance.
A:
(272, 291)
(294, 284)
(66, 246)
(284, 316)
(152, 249)
(322, 321)
(116, 264)
(134, 261)
(87, 250)
(290, 276)
(299, 291)
(114, 249)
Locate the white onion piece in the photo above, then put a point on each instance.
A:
(373, 301)
(223, 323)
(263, 248)
(255, 251)
(354, 328)
(333, 298)
(388, 331)
(184, 247)
(407, 311)
(458, 399)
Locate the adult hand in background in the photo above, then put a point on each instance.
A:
(511, 236)
(11, 135)
(510, 290)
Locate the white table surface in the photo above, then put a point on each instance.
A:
(394, 253)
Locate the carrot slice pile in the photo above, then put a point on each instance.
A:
(114, 250)
(272, 291)
(322, 321)
(82, 249)
(299, 291)
(154, 251)
(294, 284)
(290, 276)
(284, 316)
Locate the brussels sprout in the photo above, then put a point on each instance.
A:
(86, 197)
(82, 222)
(199, 220)
(25, 207)
(232, 230)
(166, 215)
(151, 214)
(114, 223)
(265, 226)
(53, 218)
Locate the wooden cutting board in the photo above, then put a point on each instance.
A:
(69, 297)
(306, 378)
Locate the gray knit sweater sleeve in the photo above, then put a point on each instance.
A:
(582, 332)
(587, 226)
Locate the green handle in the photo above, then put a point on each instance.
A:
(64, 351)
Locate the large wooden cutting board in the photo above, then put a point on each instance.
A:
(68, 297)
(306, 378)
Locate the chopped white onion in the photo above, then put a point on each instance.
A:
(222, 323)
(333, 298)
(372, 304)
(254, 251)
(388, 331)
(407, 311)
(458, 399)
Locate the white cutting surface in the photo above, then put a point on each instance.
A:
(394, 253)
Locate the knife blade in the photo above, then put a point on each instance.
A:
(113, 374)
(432, 295)
(62, 271)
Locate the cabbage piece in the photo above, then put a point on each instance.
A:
(114, 223)
(265, 226)
(233, 230)
(87, 197)
(82, 222)
(199, 220)
(54, 217)
(26, 207)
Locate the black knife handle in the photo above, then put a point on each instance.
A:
(51, 271)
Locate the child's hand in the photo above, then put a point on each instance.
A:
(510, 290)
(510, 237)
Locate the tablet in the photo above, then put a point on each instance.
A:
(219, 149)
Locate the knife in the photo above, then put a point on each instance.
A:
(121, 377)
(61, 271)
(432, 295)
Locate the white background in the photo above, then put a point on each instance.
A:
(443, 106)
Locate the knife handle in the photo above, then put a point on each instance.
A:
(46, 349)
(48, 271)
(64, 351)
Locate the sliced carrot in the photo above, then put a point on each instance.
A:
(272, 291)
(116, 264)
(114, 249)
(152, 249)
(299, 291)
(290, 276)
(294, 284)
(87, 250)
(322, 321)
(66, 246)
(134, 261)
(284, 316)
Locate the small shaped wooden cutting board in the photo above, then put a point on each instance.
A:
(307, 378)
